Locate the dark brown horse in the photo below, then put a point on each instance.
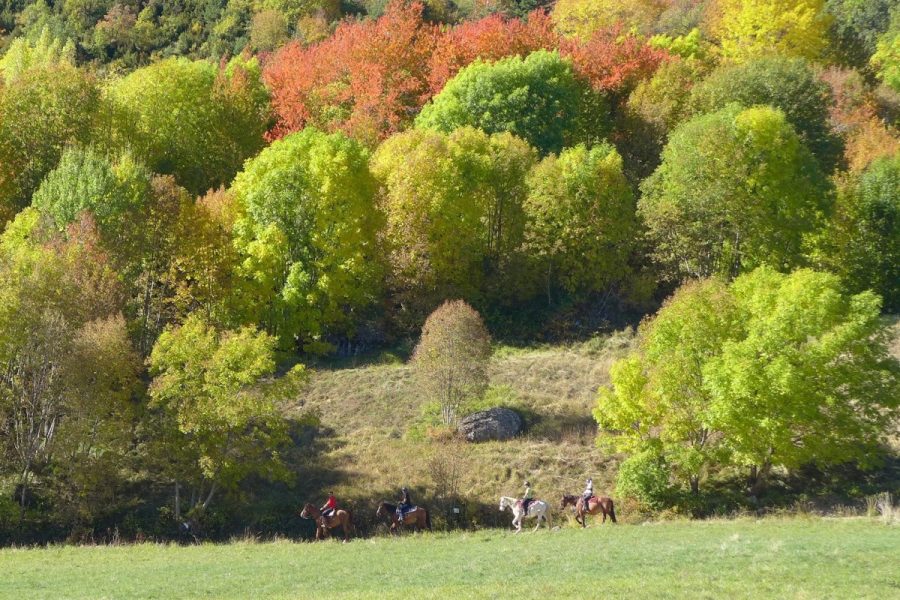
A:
(597, 504)
(341, 518)
(417, 517)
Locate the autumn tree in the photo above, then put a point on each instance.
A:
(536, 98)
(453, 204)
(450, 360)
(750, 28)
(489, 39)
(54, 295)
(191, 119)
(368, 79)
(307, 237)
(581, 18)
(736, 189)
(580, 220)
(788, 84)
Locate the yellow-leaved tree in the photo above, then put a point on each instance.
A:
(751, 28)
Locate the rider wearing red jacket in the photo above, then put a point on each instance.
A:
(330, 505)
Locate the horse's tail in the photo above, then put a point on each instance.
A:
(428, 519)
(612, 511)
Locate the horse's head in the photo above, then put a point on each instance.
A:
(309, 511)
(566, 501)
(381, 511)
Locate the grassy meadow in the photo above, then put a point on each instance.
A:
(770, 558)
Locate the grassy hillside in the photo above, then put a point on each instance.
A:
(772, 558)
(370, 414)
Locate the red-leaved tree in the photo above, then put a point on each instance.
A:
(613, 61)
(367, 80)
(491, 38)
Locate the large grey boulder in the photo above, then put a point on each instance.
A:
(491, 424)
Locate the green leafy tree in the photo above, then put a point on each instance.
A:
(536, 98)
(862, 242)
(85, 180)
(46, 51)
(788, 84)
(736, 189)
(453, 204)
(886, 59)
(41, 112)
(773, 369)
(191, 119)
(856, 27)
(307, 237)
(751, 28)
(451, 357)
(657, 401)
(218, 423)
(808, 380)
(581, 221)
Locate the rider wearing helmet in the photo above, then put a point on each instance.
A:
(330, 506)
(527, 497)
(588, 494)
(405, 504)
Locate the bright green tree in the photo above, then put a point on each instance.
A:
(886, 59)
(790, 85)
(658, 401)
(536, 98)
(219, 424)
(751, 28)
(581, 223)
(453, 204)
(41, 112)
(809, 379)
(307, 238)
(45, 51)
(856, 27)
(736, 189)
(771, 370)
(85, 180)
(191, 119)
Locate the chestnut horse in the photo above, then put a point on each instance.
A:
(597, 504)
(341, 518)
(417, 517)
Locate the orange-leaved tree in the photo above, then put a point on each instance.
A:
(368, 80)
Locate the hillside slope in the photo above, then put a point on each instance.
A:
(370, 414)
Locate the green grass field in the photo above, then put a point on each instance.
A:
(771, 558)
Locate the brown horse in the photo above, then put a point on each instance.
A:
(417, 517)
(341, 518)
(597, 504)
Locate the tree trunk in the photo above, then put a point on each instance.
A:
(759, 477)
(177, 502)
(695, 484)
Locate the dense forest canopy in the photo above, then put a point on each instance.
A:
(197, 196)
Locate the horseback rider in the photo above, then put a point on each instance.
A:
(588, 494)
(330, 506)
(405, 504)
(527, 497)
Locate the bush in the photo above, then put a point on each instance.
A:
(645, 477)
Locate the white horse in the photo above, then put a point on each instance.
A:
(537, 508)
